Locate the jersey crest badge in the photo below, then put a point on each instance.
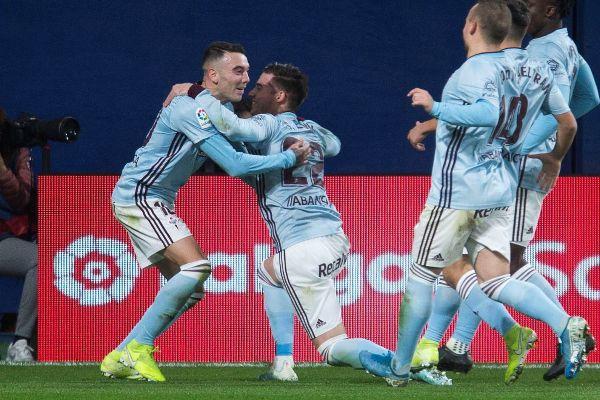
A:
(203, 119)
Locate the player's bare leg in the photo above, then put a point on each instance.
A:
(334, 345)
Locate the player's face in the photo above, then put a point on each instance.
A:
(233, 76)
(263, 96)
(538, 10)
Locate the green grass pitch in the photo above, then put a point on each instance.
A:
(316, 382)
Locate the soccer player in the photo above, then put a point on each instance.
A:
(583, 95)
(306, 229)
(471, 193)
(551, 43)
(180, 140)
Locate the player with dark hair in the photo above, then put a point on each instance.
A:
(180, 140)
(306, 229)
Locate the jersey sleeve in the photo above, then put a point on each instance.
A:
(187, 117)
(330, 143)
(481, 114)
(543, 127)
(554, 102)
(237, 163)
(585, 96)
(256, 129)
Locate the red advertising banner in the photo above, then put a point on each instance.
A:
(92, 291)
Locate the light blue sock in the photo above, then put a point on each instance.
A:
(527, 299)
(493, 313)
(466, 325)
(345, 352)
(414, 313)
(280, 313)
(529, 274)
(168, 302)
(445, 303)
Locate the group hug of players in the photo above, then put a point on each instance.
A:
(505, 121)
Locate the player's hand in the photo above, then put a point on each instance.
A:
(179, 89)
(416, 136)
(421, 98)
(302, 151)
(550, 170)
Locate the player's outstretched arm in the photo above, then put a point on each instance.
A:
(419, 132)
(480, 114)
(252, 130)
(236, 163)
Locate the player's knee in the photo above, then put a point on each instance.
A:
(199, 269)
(451, 276)
(326, 348)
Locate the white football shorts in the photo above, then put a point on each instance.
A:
(527, 209)
(441, 234)
(306, 270)
(151, 228)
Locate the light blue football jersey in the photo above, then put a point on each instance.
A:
(559, 51)
(177, 145)
(293, 202)
(468, 171)
(529, 88)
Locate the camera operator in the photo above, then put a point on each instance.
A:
(18, 254)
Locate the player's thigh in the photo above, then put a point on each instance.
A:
(489, 243)
(490, 264)
(440, 236)
(306, 271)
(184, 251)
(154, 228)
(322, 338)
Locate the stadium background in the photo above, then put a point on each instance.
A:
(111, 64)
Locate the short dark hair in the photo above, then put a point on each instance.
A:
(289, 78)
(493, 17)
(564, 7)
(216, 50)
(520, 17)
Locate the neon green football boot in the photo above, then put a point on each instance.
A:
(140, 357)
(113, 368)
(426, 354)
(519, 340)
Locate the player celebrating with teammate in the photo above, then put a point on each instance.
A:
(472, 190)
(306, 229)
(561, 56)
(143, 201)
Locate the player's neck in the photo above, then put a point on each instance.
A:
(214, 90)
(548, 29)
(512, 44)
(482, 47)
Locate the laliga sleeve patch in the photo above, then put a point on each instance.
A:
(203, 119)
(490, 89)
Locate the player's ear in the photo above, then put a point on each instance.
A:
(473, 27)
(213, 75)
(551, 12)
(281, 97)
